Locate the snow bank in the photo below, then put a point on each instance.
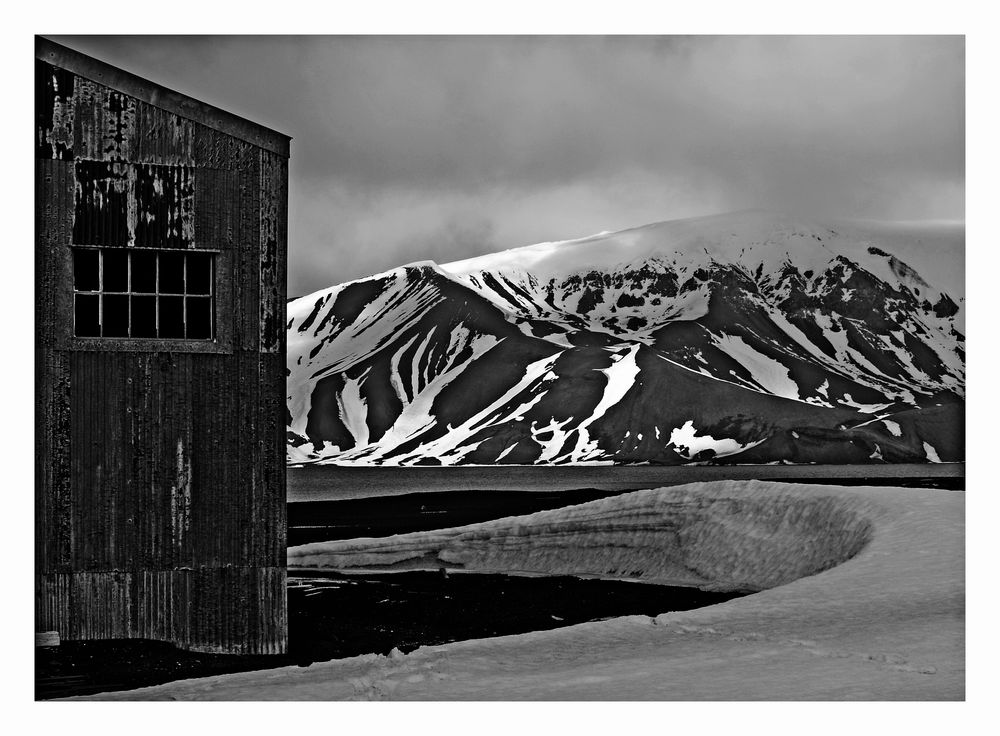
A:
(726, 536)
(862, 598)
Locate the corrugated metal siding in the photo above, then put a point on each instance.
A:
(248, 604)
(160, 491)
(120, 204)
(162, 138)
(274, 188)
(54, 112)
(105, 123)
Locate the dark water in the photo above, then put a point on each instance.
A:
(334, 616)
(383, 516)
(333, 483)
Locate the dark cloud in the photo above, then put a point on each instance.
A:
(408, 148)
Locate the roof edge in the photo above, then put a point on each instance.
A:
(159, 96)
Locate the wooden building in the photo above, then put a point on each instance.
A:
(160, 353)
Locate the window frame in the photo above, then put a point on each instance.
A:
(219, 296)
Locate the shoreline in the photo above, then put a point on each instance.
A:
(335, 482)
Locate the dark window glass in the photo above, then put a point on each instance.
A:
(199, 273)
(86, 270)
(86, 315)
(143, 316)
(144, 293)
(171, 316)
(115, 270)
(143, 271)
(171, 273)
(114, 316)
(199, 318)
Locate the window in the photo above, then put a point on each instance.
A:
(143, 293)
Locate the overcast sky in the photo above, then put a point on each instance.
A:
(414, 148)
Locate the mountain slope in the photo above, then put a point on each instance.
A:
(747, 337)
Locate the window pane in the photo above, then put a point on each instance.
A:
(86, 320)
(171, 273)
(115, 269)
(143, 316)
(143, 293)
(199, 318)
(171, 316)
(86, 276)
(114, 317)
(144, 271)
(199, 273)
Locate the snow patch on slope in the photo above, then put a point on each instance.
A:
(688, 444)
(768, 373)
(894, 429)
(621, 375)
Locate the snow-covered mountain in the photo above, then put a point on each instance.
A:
(748, 337)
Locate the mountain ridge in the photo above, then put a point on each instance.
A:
(574, 351)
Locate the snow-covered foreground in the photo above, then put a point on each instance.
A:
(862, 597)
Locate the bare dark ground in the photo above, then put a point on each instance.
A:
(334, 616)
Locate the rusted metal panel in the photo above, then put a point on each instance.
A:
(104, 212)
(142, 205)
(272, 544)
(182, 606)
(54, 192)
(106, 593)
(78, 118)
(162, 138)
(104, 123)
(53, 602)
(54, 112)
(213, 482)
(164, 203)
(272, 242)
(214, 198)
(216, 150)
(247, 258)
(249, 461)
(99, 470)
